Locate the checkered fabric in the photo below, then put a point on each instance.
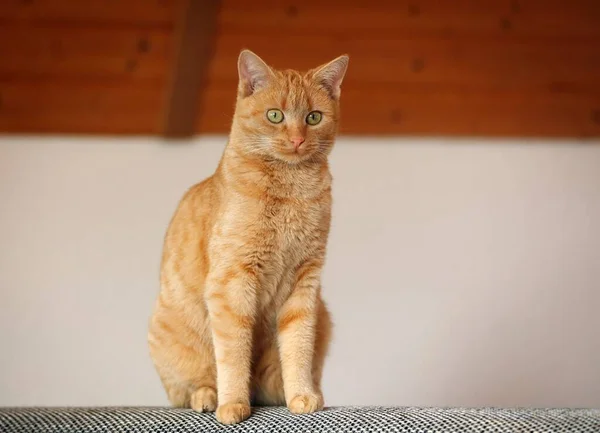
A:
(331, 420)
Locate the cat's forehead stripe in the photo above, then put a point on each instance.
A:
(295, 95)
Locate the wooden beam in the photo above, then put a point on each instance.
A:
(194, 39)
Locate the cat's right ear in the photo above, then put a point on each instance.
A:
(254, 73)
(330, 75)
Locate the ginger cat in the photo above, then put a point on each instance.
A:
(240, 318)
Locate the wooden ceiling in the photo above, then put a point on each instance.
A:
(418, 67)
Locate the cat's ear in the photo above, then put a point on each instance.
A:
(254, 73)
(331, 74)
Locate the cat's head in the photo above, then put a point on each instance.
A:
(287, 115)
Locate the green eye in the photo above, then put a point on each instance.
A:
(275, 116)
(314, 117)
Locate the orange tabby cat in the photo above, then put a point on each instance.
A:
(240, 317)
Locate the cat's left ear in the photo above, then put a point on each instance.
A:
(331, 75)
(254, 73)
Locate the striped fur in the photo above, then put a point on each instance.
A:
(240, 317)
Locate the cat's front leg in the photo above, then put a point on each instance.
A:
(231, 301)
(296, 326)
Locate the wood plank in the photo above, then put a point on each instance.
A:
(390, 109)
(194, 39)
(80, 106)
(556, 18)
(366, 17)
(42, 51)
(431, 67)
(490, 62)
(575, 18)
(504, 67)
(158, 13)
(457, 113)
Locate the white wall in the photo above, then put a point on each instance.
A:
(459, 272)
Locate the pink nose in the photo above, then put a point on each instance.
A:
(297, 141)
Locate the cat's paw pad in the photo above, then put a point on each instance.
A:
(204, 399)
(232, 413)
(307, 403)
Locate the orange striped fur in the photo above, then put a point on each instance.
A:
(239, 317)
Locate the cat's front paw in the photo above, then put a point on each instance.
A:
(232, 413)
(204, 399)
(306, 403)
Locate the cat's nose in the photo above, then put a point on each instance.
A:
(297, 141)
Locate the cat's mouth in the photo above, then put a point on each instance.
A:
(293, 156)
(292, 153)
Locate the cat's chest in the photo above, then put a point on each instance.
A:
(298, 232)
(274, 236)
(294, 225)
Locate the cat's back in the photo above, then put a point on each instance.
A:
(179, 313)
(185, 260)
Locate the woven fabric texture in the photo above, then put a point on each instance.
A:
(331, 420)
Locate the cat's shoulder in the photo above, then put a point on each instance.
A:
(202, 193)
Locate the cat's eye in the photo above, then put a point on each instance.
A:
(275, 116)
(314, 117)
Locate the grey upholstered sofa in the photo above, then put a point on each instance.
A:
(340, 419)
